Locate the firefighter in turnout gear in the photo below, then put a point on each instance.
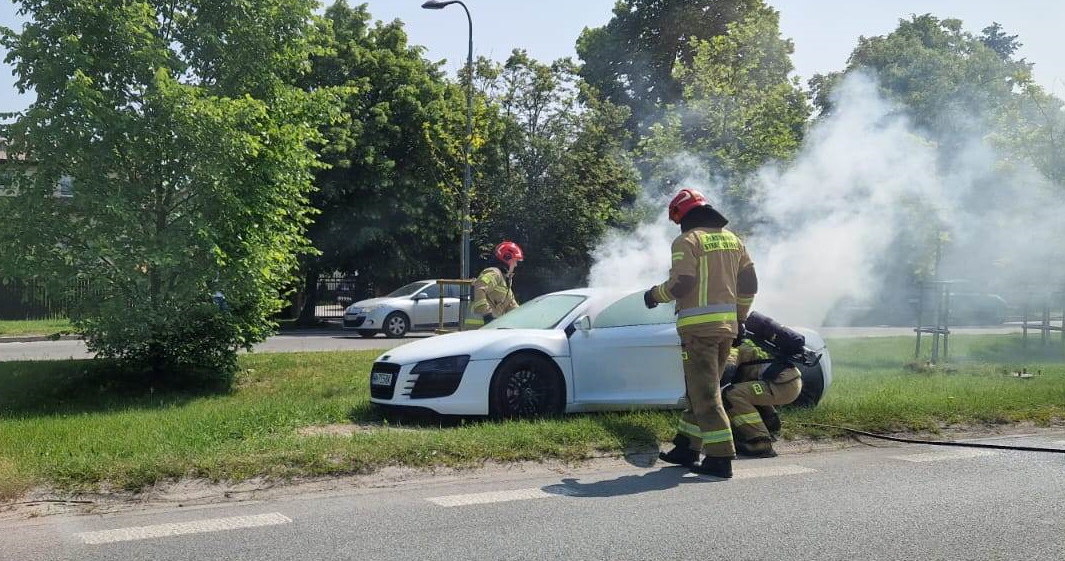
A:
(759, 382)
(713, 281)
(492, 294)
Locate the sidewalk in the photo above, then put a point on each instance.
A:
(35, 338)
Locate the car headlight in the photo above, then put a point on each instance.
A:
(370, 309)
(446, 365)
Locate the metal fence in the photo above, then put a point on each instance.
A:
(29, 300)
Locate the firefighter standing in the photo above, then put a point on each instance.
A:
(492, 293)
(760, 382)
(712, 278)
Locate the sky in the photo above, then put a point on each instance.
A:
(824, 31)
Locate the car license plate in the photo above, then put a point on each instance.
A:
(381, 379)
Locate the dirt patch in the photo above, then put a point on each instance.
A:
(347, 429)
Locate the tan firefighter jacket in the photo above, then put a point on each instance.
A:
(714, 257)
(491, 295)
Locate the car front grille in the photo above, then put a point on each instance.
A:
(357, 322)
(434, 384)
(384, 392)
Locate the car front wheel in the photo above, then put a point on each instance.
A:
(526, 385)
(813, 386)
(396, 325)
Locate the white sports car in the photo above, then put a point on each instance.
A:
(576, 350)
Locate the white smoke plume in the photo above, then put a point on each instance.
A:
(830, 216)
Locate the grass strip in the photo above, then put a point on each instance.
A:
(63, 424)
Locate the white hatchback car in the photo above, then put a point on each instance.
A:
(413, 307)
(570, 351)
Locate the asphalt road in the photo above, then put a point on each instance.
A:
(337, 340)
(885, 501)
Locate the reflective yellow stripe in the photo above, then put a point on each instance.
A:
(747, 419)
(706, 318)
(708, 437)
(688, 429)
(745, 301)
(661, 294)
(717, 436)
(678, 256)
(704, 279)
(474, 321)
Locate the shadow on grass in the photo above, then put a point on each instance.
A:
(70, 387)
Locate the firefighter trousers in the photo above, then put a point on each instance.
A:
(704, 421)
(742, 398)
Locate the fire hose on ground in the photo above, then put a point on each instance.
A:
(937, 442)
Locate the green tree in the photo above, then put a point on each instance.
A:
(631, 60)
(191, 165)
(738, 110)
(389, 199)
(963, 91)
(555, 175)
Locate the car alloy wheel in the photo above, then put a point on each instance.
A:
(526, 385)
(396, 325)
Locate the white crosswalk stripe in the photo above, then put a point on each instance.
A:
(771, 471)
(182, 528)
(498, 496)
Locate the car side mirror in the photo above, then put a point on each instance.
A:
(420, 296)
(583, 323)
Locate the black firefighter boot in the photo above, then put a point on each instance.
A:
(717, 467)
(681, 454)
(756, 448)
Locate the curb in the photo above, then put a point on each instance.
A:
(36, 338)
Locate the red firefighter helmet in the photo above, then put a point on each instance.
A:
(683, 202)
(509, 253)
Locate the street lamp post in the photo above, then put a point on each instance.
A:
(467, 178)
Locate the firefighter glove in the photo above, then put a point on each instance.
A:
(649, 299)
(488, 318)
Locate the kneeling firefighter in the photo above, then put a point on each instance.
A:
(764, 375)
(492, 292)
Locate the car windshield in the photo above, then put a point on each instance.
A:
(408, 290)
(540, 313)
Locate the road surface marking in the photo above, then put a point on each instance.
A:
(500, 496)
(182, 528)
(771, 471)
(945, 455)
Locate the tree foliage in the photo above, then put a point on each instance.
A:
(190, 160)
(738, 108)
(631, 60)
(556, 175)
(390, 197)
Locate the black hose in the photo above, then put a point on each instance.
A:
(939, 442)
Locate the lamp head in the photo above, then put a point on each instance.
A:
(437, 4)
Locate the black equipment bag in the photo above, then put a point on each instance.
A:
(785, 339)
(779, 340)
